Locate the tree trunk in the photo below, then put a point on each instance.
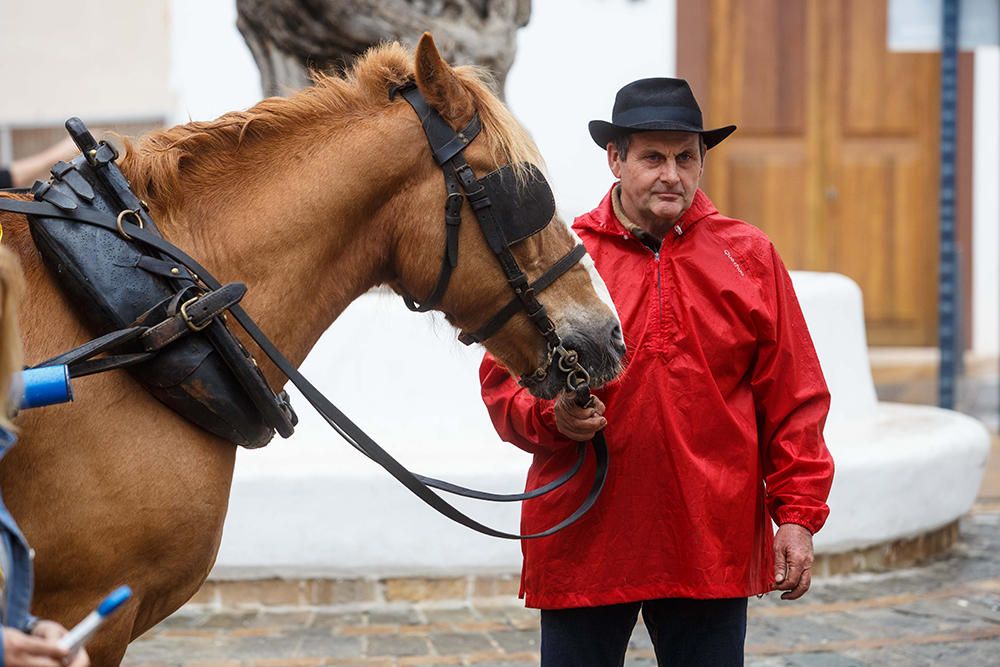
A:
(290, 37)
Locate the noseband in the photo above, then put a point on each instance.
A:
(507, 214)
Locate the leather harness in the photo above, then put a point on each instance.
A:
(197, 307)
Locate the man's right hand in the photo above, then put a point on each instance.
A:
(578, 423)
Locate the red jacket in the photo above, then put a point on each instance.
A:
(714, 428)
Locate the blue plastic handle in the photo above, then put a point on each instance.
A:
(45, 385)
(114, 600)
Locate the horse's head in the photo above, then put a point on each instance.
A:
(503, 223)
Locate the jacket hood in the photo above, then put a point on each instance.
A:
(603, 218)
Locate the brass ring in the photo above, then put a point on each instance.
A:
(121, 219)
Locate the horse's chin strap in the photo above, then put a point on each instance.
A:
(495, 323)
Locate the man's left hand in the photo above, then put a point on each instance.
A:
(793, 558)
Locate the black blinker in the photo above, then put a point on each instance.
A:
(522, 210)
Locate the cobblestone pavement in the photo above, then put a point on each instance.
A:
(944, 613)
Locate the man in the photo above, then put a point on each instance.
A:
(714, 428)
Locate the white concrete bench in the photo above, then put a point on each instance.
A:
(902, 470)
(312, 506)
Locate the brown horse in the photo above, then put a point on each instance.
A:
(311, 201)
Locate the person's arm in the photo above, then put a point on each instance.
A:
(792, 404)
(27, 170)
(518, 417)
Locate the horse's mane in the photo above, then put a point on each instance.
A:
(202, 151)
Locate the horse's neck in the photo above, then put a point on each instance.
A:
(302, 229)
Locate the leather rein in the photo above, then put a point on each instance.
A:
(447, 146)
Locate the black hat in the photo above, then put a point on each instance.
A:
(655, 104)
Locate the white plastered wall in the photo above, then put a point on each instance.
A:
(986, 203)
(96, 59)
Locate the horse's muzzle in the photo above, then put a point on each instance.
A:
(600, 350)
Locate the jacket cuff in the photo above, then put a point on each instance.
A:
(798, 523)
(30, 624)
(547, 413)
(810, 520)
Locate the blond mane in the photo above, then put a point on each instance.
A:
(202, 151)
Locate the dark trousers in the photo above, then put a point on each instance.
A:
(685, 633)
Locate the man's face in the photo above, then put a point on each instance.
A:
(659, 177)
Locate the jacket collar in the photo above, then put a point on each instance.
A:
(606, 219)
(635, 230)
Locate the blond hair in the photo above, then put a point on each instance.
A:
(11, 358)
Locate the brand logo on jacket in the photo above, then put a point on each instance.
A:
(735, 263)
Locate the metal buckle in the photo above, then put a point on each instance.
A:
(466, 177)
(187, 318)
(121, 219)
(453, 206)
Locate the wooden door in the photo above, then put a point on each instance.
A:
(836, 153)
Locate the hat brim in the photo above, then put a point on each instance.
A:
(604, 133)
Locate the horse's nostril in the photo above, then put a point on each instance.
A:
(616, 335)
(617, 340)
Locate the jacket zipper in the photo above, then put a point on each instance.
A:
(659, 282)
(659, 294)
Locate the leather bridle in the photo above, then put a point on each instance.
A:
(501, 234)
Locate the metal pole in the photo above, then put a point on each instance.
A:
(948, 277)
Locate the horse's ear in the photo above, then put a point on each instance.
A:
(441, 88)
